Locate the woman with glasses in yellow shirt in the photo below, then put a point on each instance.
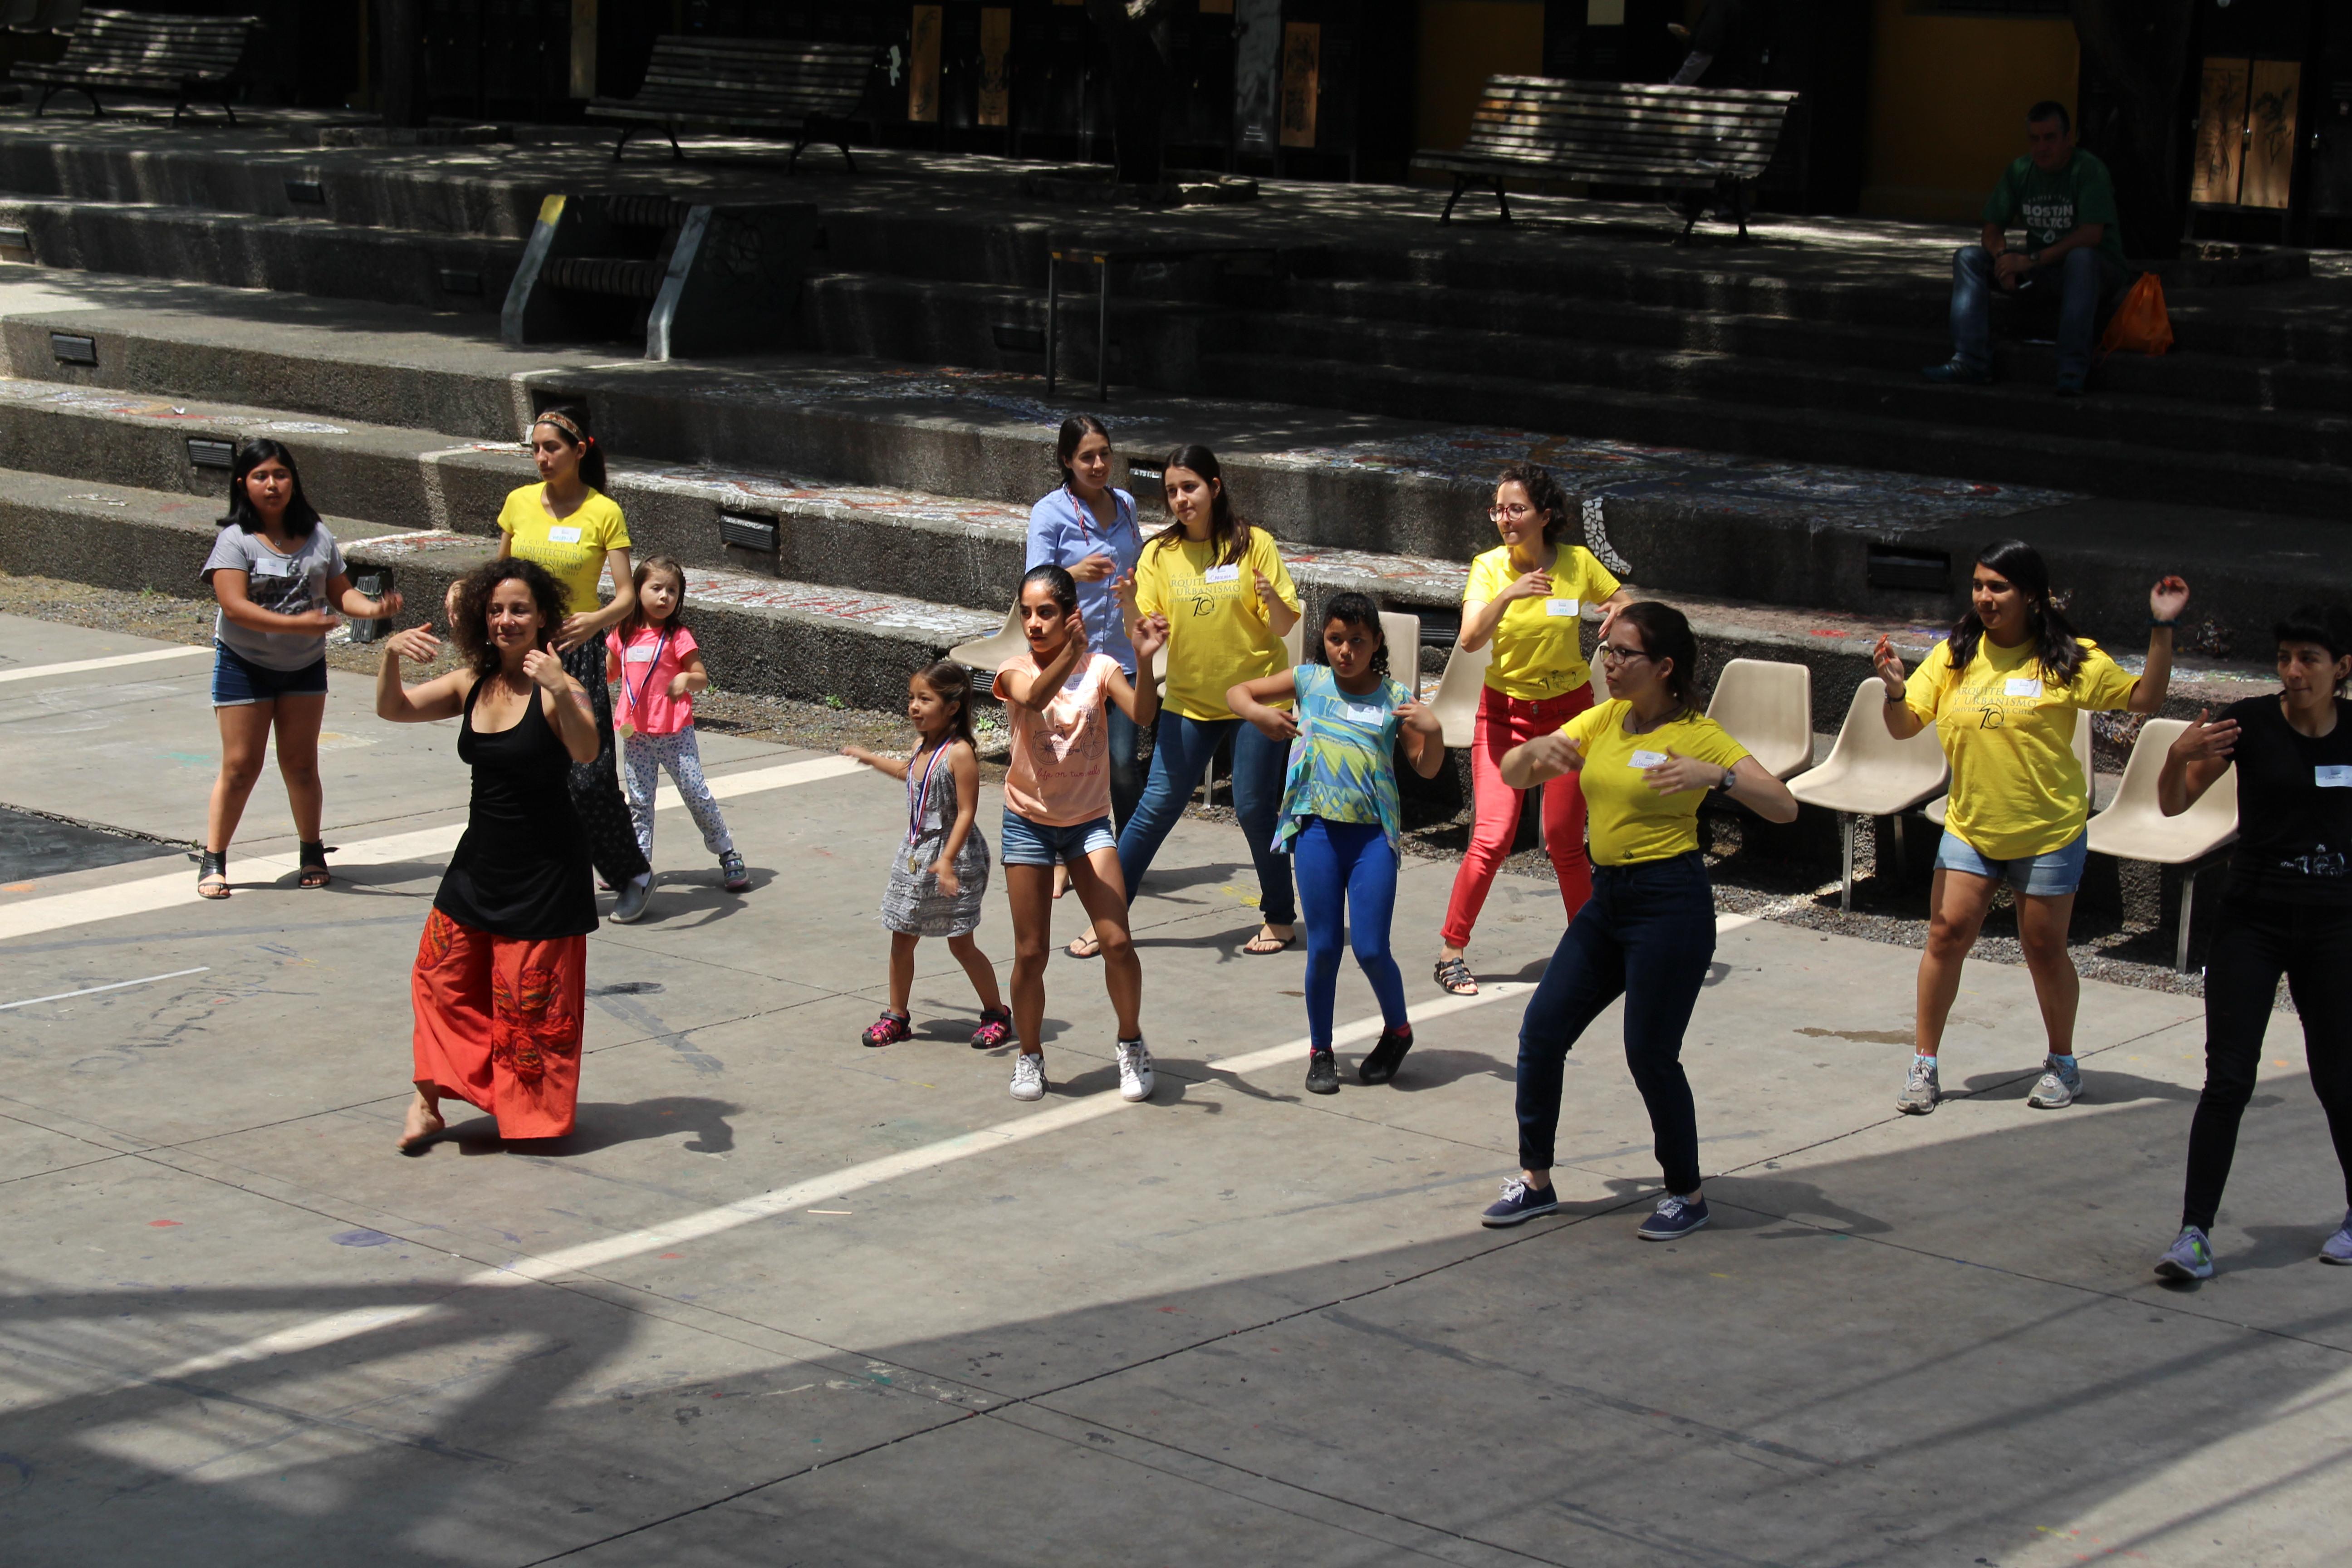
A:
(1647, 758)
(2002, 691)
(1527, 596)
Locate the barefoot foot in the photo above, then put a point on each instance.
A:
(424, 1125)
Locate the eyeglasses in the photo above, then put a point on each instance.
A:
(1499, 513)
(1611, 653)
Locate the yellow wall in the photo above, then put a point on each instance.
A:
(1462, 43)
(1948, 102)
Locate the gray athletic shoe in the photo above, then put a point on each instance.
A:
(1920, 1091)
(2057, 1088)
(2337, 1248)
(630, 907)
(2191, 1256)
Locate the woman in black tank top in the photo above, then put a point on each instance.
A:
(502, 973)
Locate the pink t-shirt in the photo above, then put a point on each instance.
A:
(1060, 772)
(648, 666)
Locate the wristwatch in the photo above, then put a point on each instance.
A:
(1723, 785)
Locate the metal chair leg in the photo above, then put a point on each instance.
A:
(1845, 879)
(2187, 906)
(1502, 199)
(1460, 184)
(1052, 316)
(1102, 330)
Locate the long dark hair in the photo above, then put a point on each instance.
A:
(1074, 429)
(469, 624)
(952, 682)
(2323, 626)
(1227, 531)
(1354, 610)
(570, 423)
(1057, 579)
(300, 518)
(636, 620)
(1544, 494)
(2055, 647)
(1666, 634)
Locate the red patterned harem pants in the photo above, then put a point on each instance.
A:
(498, 1024)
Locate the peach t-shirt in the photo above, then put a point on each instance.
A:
(1060, 772)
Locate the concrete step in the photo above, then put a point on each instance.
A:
(2193, 476)
(300, 255)
(761, 634)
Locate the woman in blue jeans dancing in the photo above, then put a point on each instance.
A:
(1229, 602)
(1646, 758)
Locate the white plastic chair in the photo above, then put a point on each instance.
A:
(1768, 706)
(1938, 807)
(2134, 828)
(989, 652)
(1869, 772)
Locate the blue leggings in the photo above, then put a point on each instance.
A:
(1347, 868)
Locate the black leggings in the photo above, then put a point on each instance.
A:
(596, 786)
(2257, 939)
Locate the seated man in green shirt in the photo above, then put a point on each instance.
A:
(2073, 256)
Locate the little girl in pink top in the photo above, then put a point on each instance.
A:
(1058, 811)
(660, 666)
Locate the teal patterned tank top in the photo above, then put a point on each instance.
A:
(1343, 764)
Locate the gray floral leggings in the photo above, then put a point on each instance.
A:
(647, 756)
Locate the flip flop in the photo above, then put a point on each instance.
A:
(1086, 941)
(1258, 946)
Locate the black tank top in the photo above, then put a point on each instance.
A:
(523, 869)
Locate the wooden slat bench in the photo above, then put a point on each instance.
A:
(1692, 138)
(811, 89)
(190, 56)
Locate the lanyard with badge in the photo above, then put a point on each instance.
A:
(919, 805)
(1086, 518)
(628, 727)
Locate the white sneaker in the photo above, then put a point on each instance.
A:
(1135, 1079)
(1920, 1089)
(1029, 1076)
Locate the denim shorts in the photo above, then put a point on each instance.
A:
(1025, 842)
(239, 683)
(2051, 876)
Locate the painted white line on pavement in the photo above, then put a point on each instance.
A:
(148, 894)
(74, 667)
(530, 1270)
(94, 990)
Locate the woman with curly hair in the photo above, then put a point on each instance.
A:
(501, 974)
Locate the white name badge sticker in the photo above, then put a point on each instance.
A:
(1647, 759)
(563, 536)
(2333, 775)
(1372, 713)
(1231, 574)
(1562, 607)
(270, 566)
(639, 655)
(2023, 686)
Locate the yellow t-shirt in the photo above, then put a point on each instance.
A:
(1628, 822)
(573, 549)
(1218, 633)
(2017, 787)
(1538, 650)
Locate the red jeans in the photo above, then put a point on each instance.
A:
(1504, 722)
(498, 1024)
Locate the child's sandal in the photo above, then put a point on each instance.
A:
(1455, 976)
(212, 874)
(314, 865)
(995, 1029)
(887, 1030)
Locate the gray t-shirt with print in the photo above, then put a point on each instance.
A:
(284, 584)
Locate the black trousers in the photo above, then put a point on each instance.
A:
(2255, 942)
(596, 786)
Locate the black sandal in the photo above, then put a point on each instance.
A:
(1456, 977)
(314, 859)
(212, 863)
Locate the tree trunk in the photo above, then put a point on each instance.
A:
(1131, 32)
(2134, 69)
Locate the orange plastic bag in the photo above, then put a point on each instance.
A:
(2140, 324)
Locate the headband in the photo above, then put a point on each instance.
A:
(561, 422)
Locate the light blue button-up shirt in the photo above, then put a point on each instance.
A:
(1063, 531)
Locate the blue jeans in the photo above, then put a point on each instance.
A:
(1126, 773)
(1646, 934)
(1346, 870)
(2080, 281)
(1181, 750)
(2051, 876)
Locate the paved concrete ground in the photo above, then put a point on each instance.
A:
(784, 1300)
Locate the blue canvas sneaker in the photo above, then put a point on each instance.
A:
(1676, 1218)
(1518, 1201)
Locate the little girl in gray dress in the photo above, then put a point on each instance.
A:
(938, 874)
